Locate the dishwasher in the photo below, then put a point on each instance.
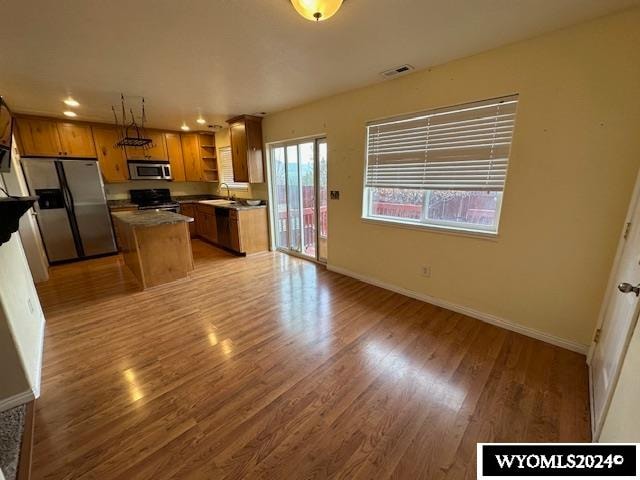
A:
(223, 227)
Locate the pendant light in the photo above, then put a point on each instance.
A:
(317, 10)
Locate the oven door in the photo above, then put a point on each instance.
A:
(149, 171)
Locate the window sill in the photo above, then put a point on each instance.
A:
(461, 232)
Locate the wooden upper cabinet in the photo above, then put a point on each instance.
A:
(174, 149)
(157, 152)
(38, 137)
(112, 160)
(246, 148)
(238, 136)
(192, 158)
(76, 140)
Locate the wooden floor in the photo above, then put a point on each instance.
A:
(272, 367)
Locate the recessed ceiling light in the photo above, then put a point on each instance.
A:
(201, 121)
(185, 127)
(71, 102)
(69, 113)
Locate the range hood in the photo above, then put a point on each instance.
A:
(11, 209)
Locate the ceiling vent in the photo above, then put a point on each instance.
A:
(401, 70)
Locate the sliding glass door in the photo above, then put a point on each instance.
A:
(322, 194)
(299, 188)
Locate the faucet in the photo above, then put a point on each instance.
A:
(228, 193)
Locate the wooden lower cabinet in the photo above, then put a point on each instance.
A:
(249, 230)
(242, 231)
(206, 222)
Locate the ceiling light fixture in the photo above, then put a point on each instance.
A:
(201, 121)
(70, 102)
(185, 127)
(317, 10)
(69, 113)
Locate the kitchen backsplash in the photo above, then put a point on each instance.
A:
(120, 191)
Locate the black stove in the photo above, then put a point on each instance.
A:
(154, 199)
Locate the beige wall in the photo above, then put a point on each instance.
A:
(622, 423)
(21, 327)
(575, 155)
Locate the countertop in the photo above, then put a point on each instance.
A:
(150, 218)
(126, 203)
(234, 206)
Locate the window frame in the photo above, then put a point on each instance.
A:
(425, 224)
(238, 186)
(466, 229)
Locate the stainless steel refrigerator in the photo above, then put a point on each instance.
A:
(72, 210)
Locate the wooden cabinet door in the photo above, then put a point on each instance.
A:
(158, 151)
(207, 222)
(174, 149)
(189, 210)
(238, 135)
(246, 149)
(76, 140)
(253, 230)
(37, 137)
(111, 158)
(201, 221)
(191, 157)
(255, 162)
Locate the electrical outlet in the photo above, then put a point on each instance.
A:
(425, 271)
(335, 195)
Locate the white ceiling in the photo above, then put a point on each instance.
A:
(224, 57)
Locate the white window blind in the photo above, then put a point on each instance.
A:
(465, 147)
(226, 170)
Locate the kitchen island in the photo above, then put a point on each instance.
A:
(155, 245)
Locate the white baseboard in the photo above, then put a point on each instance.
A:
(485, 317)
(15, 400)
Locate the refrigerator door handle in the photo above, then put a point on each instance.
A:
(70, 207)
(68, 199)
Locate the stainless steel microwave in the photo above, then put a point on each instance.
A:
(150, 171)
